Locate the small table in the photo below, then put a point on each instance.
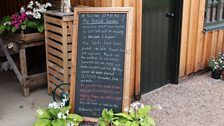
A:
(20, 46)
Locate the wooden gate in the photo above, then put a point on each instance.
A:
(160, 43)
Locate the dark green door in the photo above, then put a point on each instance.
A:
(159, 44)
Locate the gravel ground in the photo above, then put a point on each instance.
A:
(196, 101)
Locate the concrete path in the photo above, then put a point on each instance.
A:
(196, 101)
(16, 110)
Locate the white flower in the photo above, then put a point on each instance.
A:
(131, 110)
(60, 114)
(67, 112)
(136, 105)
(141, 119)
(40, 112)
(158, 106)
(54, 105)
(7, 23)
(30, 5)
(126, 109)
(142, 106)
(64, 116)
(38, 4)
(48, 4)
(70, 124)
(22, 9)
(29, 13)
(37, 15)
(61, 104)
(10, 45)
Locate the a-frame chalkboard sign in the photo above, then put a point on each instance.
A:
(101, 60)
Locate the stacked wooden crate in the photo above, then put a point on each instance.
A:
(58, 37)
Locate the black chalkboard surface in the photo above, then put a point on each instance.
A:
(100, 63)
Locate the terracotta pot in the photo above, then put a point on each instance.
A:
(216, 74)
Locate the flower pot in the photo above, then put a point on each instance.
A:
(216, 74)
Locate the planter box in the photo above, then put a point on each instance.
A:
(26, 37)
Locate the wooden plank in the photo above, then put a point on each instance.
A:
(69, 56)
(65, 49)
(192, 37)
(69, 40)
(97, 3)
(207, 48)
(55, 59)
(200, 34)
(56, 73)
(70, 48)
(55, 66)
(223, 43)
(35, 80)
(70, 28)
(53, 28)
(54, 37)
(23, 66)
(117, 3)
(53, 20)
(54, 80)
(53, 44)
(126, 3)
(220, 41)
(184, 37)
(10, 60)
(138, 48)
(214, 43)
(54, 51)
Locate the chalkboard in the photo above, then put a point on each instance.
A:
(100, 61)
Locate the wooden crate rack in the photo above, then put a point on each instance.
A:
(58, 37)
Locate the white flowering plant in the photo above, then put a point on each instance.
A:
(29, 17)
(57, 114)
(138, 115)
(216, 64)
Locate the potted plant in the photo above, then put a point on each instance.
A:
(221, 56)
(137, 116)
(217, 66)
(57, 114)
(28, 20)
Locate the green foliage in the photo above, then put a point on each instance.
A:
(216, 64)
(41, 27)
(27, 18)
(56, 115)
(137, 116)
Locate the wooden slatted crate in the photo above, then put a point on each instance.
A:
(58, 37)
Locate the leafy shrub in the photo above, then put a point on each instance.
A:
(57, 114)
(137, 116)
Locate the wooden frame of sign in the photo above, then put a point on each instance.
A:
(100, 32)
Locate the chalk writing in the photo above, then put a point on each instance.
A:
(100, 63)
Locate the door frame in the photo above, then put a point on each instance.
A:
(177, 40)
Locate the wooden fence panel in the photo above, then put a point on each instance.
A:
(197, 46)
(184, 38)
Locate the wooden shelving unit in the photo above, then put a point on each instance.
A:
(58, 37)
